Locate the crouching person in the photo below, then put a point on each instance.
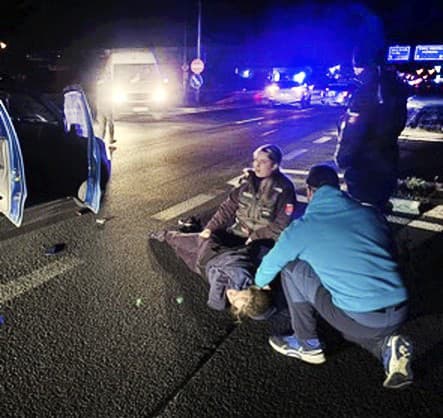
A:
(245, 226)
(338, 259)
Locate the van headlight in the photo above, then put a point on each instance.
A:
(119, 96)
(160, 95)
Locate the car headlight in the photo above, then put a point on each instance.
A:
(160, 95)
(119, 96)
(272, 89)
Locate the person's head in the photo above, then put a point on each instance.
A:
(251, 302)
(321, 175)
(365, 56)
(266, 160)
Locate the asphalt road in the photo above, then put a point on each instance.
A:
(99, 331)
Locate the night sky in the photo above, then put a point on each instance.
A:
(38, 25)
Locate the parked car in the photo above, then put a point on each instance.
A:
(287, 92)
(47, 152)
(337, 94)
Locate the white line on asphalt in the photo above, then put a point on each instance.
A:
(37, 277)
(176, 210)
(322, 140)
(240, 122)
(269, 132)
(423, 139)
(436, 212)
(294, 154)
(428, 226)
(234, 181)
(398, 220)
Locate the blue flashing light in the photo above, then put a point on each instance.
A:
(276, 75)
(246, 73)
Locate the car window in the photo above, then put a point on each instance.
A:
(23, 107)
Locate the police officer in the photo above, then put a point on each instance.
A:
(367, 148)
(263, 203)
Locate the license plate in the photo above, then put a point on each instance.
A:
(140, 109)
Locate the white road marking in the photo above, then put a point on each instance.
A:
(322, 140)
(427, 226)
(417, 138)
(398, 220)
(176, 210)
(294, 154)
(234, 181)
(436, 212)
(269, 132)
(241, 122)
(38, 277)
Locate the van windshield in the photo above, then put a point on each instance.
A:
(134, 73)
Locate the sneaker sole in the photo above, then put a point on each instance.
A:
(400, 365)
(401, 385)
(308, 358)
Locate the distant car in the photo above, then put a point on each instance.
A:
(287, 92)
(337, 94)
(47, 152)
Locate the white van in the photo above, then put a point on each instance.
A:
(136, 82)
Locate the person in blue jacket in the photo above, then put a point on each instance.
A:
(338, 259)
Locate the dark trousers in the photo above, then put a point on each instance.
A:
(306, 295)
(372, 187)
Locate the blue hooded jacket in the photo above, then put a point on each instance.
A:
(349, 246)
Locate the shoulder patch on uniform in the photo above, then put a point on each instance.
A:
(289, 209)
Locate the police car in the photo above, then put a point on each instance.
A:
(47, 152)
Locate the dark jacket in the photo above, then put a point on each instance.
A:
(368, 132)
(257, 209)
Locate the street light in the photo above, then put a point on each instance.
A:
(3, 45)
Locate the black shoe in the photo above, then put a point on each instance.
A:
(189, 225)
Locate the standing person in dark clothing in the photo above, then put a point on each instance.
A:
(105, 117)
(367, 147)
(339, 260)
(242, 230)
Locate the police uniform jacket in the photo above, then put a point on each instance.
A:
(258, 208)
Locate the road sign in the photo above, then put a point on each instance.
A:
(197, 66)
(399, 53)
(428, 53)
(196, 81)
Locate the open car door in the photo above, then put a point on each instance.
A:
(78, 116)
(13, 190)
